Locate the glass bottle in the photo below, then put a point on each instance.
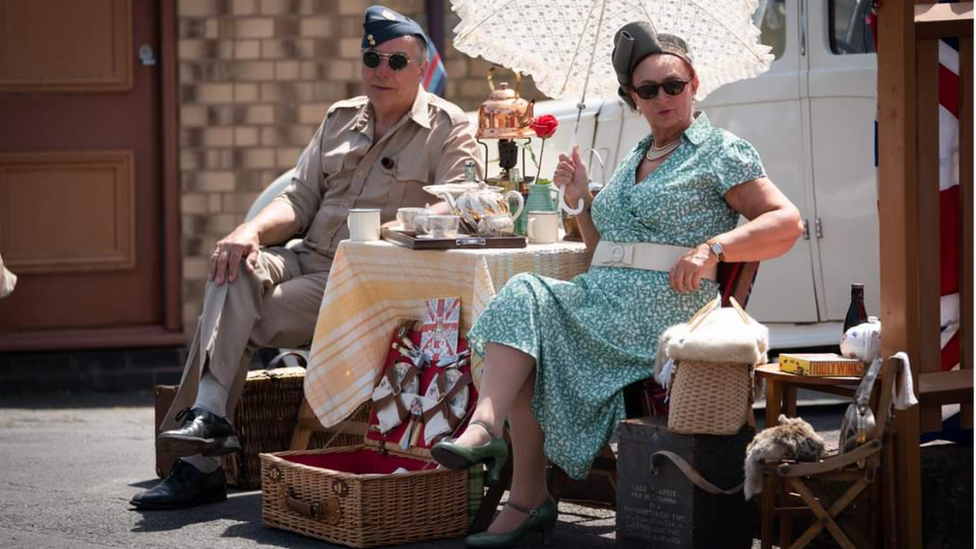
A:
(518, 184)
(470, 172)
(856, 314)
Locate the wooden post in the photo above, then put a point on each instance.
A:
(926, 143)
(966, 204)
(899, 241)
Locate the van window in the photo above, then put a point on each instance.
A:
(848, 31)
(770, 17)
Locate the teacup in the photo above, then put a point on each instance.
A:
(408, 218)
(543, 227)
(364, 224)
(442, 226)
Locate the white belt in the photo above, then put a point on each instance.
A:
(642, 255)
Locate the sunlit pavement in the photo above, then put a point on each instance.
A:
(70, 464)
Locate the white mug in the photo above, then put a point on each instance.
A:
(364, 224)
(543, 227)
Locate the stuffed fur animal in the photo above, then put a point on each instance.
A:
(793, 438)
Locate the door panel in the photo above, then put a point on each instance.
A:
(766, 111)
(842, 97)
(80, 185)
(58, 45)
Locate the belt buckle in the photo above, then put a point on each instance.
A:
(617, 253)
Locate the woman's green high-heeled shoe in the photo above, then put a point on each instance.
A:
(455, 456)
(543, 519)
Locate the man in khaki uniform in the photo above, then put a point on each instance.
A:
(376, 151)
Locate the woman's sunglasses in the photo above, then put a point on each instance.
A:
(397, 61)
(671, 87)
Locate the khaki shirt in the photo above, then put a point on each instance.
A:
(343, 168)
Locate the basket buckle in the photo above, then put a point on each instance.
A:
(275, 474)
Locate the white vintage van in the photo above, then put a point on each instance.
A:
(811, 117)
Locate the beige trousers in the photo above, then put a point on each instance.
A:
(275, 306)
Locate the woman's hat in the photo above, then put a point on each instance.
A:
(635, 41)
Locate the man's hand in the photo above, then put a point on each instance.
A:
(686, 274)
(571, 176)
(242, 244)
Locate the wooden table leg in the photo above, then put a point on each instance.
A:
(789, 400)
(305, 425)
(771, 488)
(774, 402)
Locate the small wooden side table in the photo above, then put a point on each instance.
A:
(781, 398)
(781, 389)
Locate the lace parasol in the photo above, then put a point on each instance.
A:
(566, 44)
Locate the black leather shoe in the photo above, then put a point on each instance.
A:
(201, 433)
(184, 486)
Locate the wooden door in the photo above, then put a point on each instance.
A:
(81, 193)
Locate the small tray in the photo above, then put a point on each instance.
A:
(414, 242)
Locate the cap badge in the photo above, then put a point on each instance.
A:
(389, 15)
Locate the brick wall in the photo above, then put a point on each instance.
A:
(256, 78)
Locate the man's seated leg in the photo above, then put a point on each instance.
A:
(196, 426)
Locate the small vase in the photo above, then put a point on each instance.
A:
(539, 200)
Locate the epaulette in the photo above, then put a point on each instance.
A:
(440, 104)
(352, 103)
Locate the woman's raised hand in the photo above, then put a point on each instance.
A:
(571, 176)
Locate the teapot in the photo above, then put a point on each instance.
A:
(482, 203)
(505, 115)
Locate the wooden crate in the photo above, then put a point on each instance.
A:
(661, 508)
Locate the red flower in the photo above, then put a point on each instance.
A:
(544, 126)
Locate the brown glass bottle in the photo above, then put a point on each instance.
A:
(856, 314)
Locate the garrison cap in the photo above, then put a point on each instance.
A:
(381, 24)
(635, 41)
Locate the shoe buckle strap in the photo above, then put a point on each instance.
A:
(520, 509)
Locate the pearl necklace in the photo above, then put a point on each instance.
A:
(655, 153)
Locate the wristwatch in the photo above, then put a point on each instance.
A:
(716, 249)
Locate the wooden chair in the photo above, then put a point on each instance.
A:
(858, 469)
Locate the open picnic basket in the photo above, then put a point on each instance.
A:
(713, 356)
(378, 493)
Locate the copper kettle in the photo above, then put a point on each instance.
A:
(505, 115)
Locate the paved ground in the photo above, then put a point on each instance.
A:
(71, 463)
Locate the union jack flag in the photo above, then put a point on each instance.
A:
(439, 333)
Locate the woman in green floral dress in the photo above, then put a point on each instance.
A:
(558, 354)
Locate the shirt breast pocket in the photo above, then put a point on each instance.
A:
(408, 176)
(332, 163)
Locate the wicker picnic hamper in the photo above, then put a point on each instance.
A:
(713, 358)
(301, 494)
(378, 492)
(265, 419)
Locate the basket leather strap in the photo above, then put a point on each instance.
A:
(397, 388)
(442, 404)
(692, 474)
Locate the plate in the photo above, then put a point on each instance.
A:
(456, 189)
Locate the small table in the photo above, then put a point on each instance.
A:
(374, 284)
(781, 389)
(781, 397)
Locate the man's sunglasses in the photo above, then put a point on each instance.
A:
(671, 87)
(397, 61)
